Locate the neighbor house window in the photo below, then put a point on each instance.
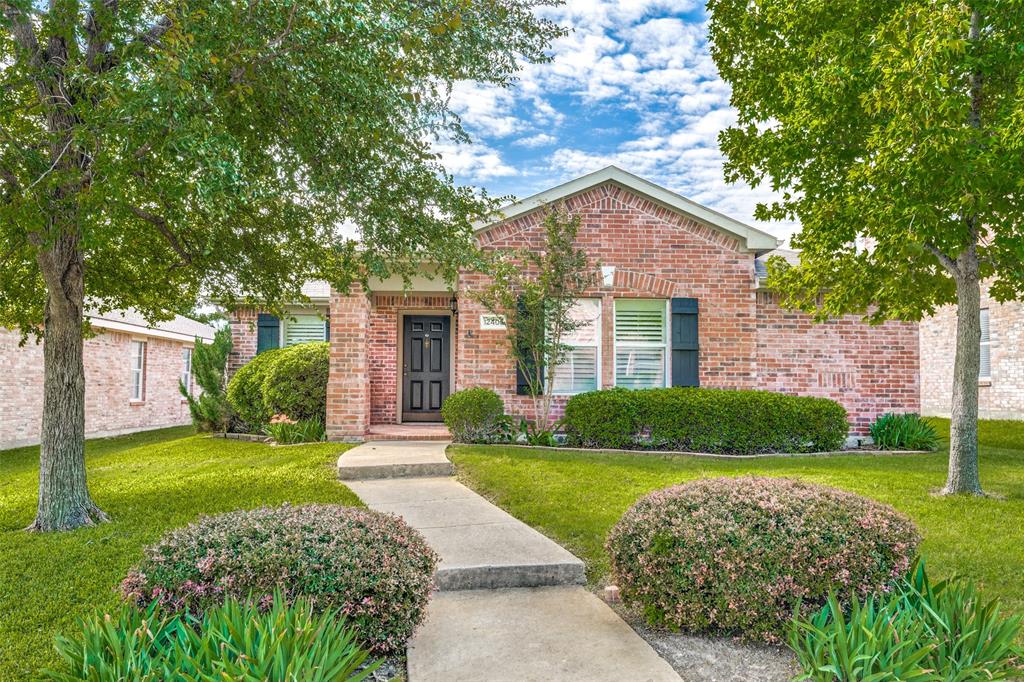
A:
(186, 369)
(579, 371)
(641, 339)
(985, 369)
(138, 364)
(303, 328)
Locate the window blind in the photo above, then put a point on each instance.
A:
(303, 328)
(640, 343)
(985, 368)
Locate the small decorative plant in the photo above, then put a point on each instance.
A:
(239, 640)
(473, 415)
(287, 431)
(919, 632)
(903, 432)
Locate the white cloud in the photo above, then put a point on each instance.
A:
(476, 162)
(486, 109)
(534, 141)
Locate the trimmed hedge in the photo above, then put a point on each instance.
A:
(245, 389)
(372, 567)
(473, 415)
(737, 556)
(296, 382)
(704, 420)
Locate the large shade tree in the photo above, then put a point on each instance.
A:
(151, 150)
(894, 131)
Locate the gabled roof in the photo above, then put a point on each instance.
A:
(752, 238)
(131, 321)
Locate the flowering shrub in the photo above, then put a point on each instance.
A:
(738, 555)
(371, 567)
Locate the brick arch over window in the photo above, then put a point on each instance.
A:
(658, 287)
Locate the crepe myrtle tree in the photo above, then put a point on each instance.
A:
(535, 291)
(151, 150)
(892, 130)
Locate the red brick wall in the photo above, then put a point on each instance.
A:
(108, 408)
(868, 369)
(348, 389)
(243, 338)
(657, 254)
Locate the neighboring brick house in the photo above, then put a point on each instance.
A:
(678, 303)
(1001, 379)
(131, 377)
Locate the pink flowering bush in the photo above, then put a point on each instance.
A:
(737, 556)
(372, 567)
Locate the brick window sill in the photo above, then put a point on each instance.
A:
(984, 382)
(136, 403)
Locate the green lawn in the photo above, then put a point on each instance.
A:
(575, 497)
(148, 483)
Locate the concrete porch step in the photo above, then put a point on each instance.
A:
(480, 545)
(394, 459)
(410, 432)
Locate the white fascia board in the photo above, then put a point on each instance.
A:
(752, 238)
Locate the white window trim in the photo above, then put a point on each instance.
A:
(187, 377)
(666, 344)
(141, 371)
(285, 320)
(986, 378)
(597, 324)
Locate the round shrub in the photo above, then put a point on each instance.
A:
(473, 415)
(372, 567)
(736, 556)
(603, 419)
(296, 383)
(245, 389)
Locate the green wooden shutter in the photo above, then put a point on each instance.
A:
(526, 367)
(685, 347)
(268, 332)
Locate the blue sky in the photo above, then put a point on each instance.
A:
(633, 84)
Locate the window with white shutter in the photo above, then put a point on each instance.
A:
(641, 339)
(302, 328)
(985, 369)
(580, 370)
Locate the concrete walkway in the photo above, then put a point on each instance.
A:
(476, 627)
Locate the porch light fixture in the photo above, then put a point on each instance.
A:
(454, 305)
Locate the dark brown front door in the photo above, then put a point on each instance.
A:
(425, 367)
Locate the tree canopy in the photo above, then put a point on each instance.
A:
(882, 123)
(235, 148)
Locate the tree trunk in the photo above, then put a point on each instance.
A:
(64, 501)
(963, 429)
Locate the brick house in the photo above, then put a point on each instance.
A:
(679, 302)
(1001, 377)
(131, 377)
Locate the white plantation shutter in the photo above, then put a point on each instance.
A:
(579, 371)
(985, 370)
(640, 341)
(303, 328)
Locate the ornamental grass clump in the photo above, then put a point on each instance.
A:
(372, 568)
(737, 556)
(240, 641)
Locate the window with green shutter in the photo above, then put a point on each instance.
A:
(641, 339)
(302, 328)
(579, 371)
